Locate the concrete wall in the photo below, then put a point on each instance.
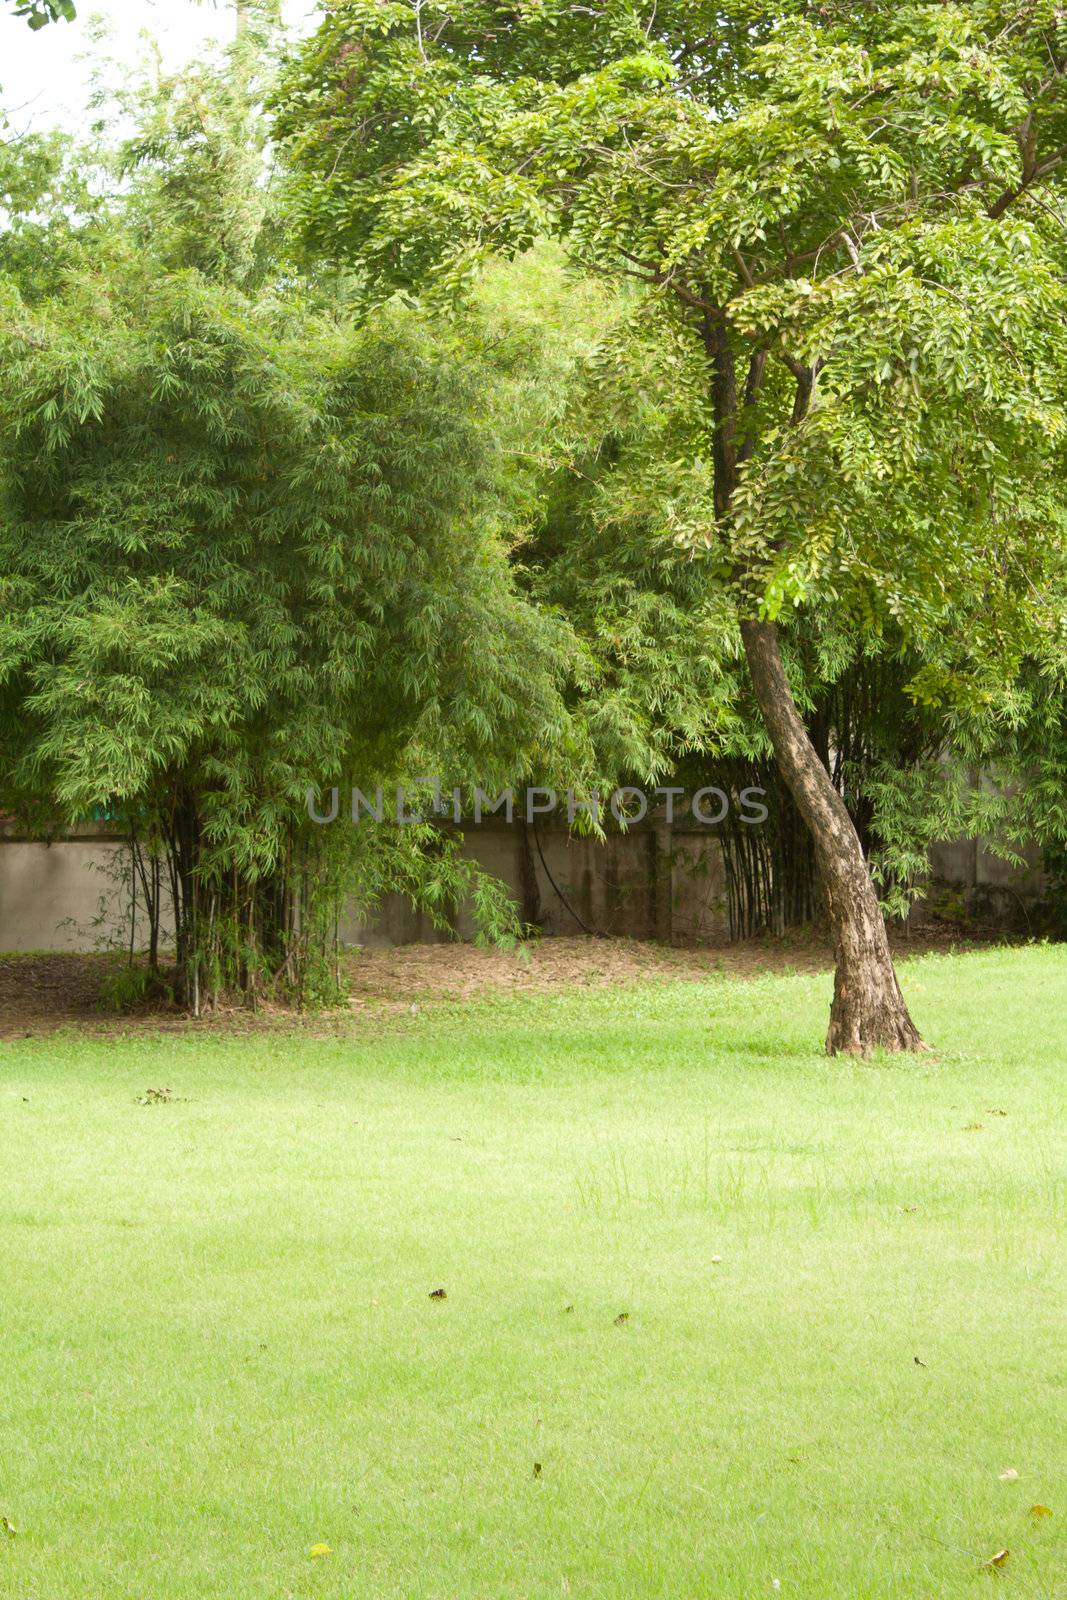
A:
(655, 882)
(652, 883)
(968, 879)
(65, 896)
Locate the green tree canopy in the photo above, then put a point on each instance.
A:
(249, 544)
(223, 517)
(844, 218)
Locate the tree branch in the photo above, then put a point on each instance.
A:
(1037, 171)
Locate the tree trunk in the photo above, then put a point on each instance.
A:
(532, 914)
(868, 1009)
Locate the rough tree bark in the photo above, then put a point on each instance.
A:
(868, 1009)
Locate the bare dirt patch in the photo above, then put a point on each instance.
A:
(417, 973)
(41, 992)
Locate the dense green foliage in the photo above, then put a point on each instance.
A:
(839, 381)
(244, 551)
(259, 536)
(223, 517)
(812, 194)
(250, 545)
(664, 685)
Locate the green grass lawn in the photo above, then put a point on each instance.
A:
(219, 1347)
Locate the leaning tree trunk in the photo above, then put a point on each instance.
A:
(868, 1010)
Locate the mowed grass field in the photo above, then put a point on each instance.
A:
(722, 1317)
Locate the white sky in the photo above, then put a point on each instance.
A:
(42, 79)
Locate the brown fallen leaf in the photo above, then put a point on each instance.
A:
(537, 1469)
(438, 1294)
(1009, 1475)
(623, 1317)
(917, 1362)
(996, 1561)
(1040, 1511)
(8, 1527)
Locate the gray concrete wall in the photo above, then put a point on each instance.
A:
(970, 881)
(651, 883)
(633, 885)
(655, 882)
(68, 895)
